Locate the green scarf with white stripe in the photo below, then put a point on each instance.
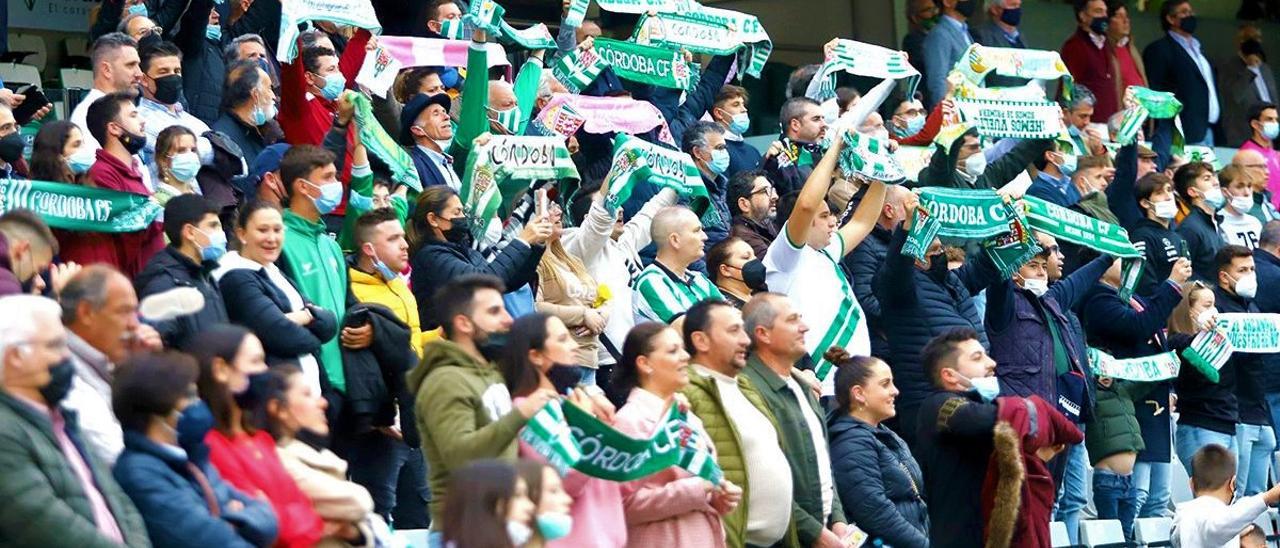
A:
(499, 170)
(80, 208)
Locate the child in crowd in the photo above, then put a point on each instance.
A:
(1210, 519)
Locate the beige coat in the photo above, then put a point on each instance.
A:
(568, 298)
(322, 476)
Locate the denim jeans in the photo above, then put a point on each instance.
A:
(1188, 439)
(588, 377)
(435, 539)
(1071, 495)
(1151, 481)
(1115, 498)
(395, 476)
(1256, 443)
(1274, 401)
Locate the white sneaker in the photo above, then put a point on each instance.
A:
(174, 303)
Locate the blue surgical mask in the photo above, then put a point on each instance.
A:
(213, 33)
(1068, 166)
(1215, 198)
(217, 246)
(138, 9)
(359, 201)
(82, 160)
(330, 196)
(914, 125)
(1271, 130)
(987, 388)
(384, 270)
(740, 124)
(334, 83)
(184, 166)
(262, 115)
(719, 161)
(554, 526)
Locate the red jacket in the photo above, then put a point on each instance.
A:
(251, 465)
(1091, 66)
(129, 251)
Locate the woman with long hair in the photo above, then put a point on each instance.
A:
(56, 153)
(671, 507)
(536, 356)
(568, 292)
(551, 518)
(725, 262)
(176, 163)
(487, 506)
(877, 478)
(233, 380)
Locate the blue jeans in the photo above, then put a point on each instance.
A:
(1274, 401)
(1256, 444)
(1188, 439)
(395, 476)
(435, 539)
(1151, 480)
(1115, 498)
(1071, 498)
(588, 376)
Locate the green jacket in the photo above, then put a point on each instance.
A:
(705, 402)
(362, 184)
(458, 400)
(1114, 428)
(474, 118)
(45, 504)
(802, 457)
(313, 260)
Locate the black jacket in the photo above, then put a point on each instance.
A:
(941, 170)
(1200, 231)
(878, 482)
(1162, 247)
(256, 303)
(862, 266)
(170, 269)
(438, 262)
(1268, 302)
(954, 442)
(1251, 400)
(203, 70)
(251, 140)
(376, 374)
(1210, 405)
(1170, 68)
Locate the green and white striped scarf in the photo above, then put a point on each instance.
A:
(356, 13)
(1209, 351)
(382, 145)
(1080, 229)
(501, 169)
(1159, 367)
(1141, 103)
(710, 31)
(869, 157)
(80, 208)
(636, 161)
(864, 60)
(957, 214)
(1252, 333)
(578, 68)
(979, 61)
(652, 65)
(1015, 119)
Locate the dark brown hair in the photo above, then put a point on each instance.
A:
(475, 508)
(1212, 467)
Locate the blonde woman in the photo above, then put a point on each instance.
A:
(567, 291)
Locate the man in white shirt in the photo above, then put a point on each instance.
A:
(739, 423)
(1238, 227)
(161, 90)
(116, 68)
(1210, 519)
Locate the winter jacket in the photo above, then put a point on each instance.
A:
(322, 476)
(1200, 232)
(175, 506)
(436, 263)
(717, 190)
(132, 249)
(917, 306)
(255, 302)
(1209, 405)
(789, 169)
(375, 374)
(1091, 66)
(742, 156)
(954, 442)
(801, 454)
(250, 463)
(9, 284)
(464, 413)
(203, 69)
(1162, 247)
(705, 402)
(394, 295)
(862, 266)
(1268, 302)
(45, 504)
(941, 170)
(757, 235)
(879, 482)
(170, 269)
(251, 139)
(314, 262)
(1114, 428)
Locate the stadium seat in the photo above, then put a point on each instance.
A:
(76, 78)
(1101, 533)
(16, 73)
(1058, 535)
(39, 57)
(1153, 531)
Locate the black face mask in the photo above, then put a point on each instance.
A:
(60, 377)
(11, 147)
(492, 345)
(1099, 25)
(966, 7)
(938, 267)
(133, 142)
(259, 384)
(1252, 47)
(753, 276)
(459, 231)
(168, 89)
(564, 377)
(1188, 24)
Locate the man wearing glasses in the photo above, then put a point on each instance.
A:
(754, 203)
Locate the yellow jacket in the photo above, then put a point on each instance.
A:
(370, 288)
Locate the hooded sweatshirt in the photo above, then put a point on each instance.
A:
(464, 413)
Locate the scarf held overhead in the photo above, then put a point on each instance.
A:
(500, 169)
(711, 31)
(954, 213)
(636, 161)
(356, 13)
(862, 59)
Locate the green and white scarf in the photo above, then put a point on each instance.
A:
(80, 208)
(578, 68)
(1159, 367)
(1252, 333)
(709, 31)
(1209, 351)
(864, 60)
(577, 13)
(382, 145)
(453, 29)
(1077, 228)
(356, 13)
(959, 214)
(1015, 119)
(1010, 251)
(498, 171)
(1141, 103)
(570, 438)
(870, 157)
(635, 161)
(533, 38)
(979, 61)
(652, 65)
(486, 15)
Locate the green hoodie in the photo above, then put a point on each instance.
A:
(314, 262)
(464, 413)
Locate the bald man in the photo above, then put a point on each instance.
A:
(667, 288)
(1256, 166)
(866, 259)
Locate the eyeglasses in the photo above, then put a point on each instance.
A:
(769, 190)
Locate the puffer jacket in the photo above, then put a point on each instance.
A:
(1114, 426)
(862, 266)
(170, 269)
(255, 302)
(705, 402)
(878, 481)
(435, 263)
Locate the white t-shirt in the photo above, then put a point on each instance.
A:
(819, 290)
(1240, 229)
(814, 424)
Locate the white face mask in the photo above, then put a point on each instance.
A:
(1247, 286)
(1166, 209)
(975, 164)
(519, 533)
(1036, 286)
(1206, 316)
(1242, 204)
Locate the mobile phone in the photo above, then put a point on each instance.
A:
(35, 100)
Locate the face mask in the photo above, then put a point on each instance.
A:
(719, 161)
(554, 526)
(1068, 166)
(509, 119)
(938, 267)
(330, 196)
(184, 166)
(262, 115)
(914, 125)
(81, 160)
(333, 86)
(966, 7)
(444, 144)
(459, 231)
(1189, 24)
(740, 123)
(194, 422)
(929, 23)
(213, 33)
(11, 147)
(168, 89)
(1242, 204)
(60, 376)
(138, 9)
(384, 270)
(1204, 317)
(1247, 286)
(1165, 209)
(753, 274)
(986, 387)
(1099, 25)
(1036, 286)
(564, 377)
(133, 143)
(492, 345)
(1271, 130)
(253, 394)
(1215, 199)
(1011, 16)
(217, 246)
(519, 533)
(975, 164)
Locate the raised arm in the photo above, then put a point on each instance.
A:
(1069, 291)
(864, 218)
(475, 97)
(813, 194)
